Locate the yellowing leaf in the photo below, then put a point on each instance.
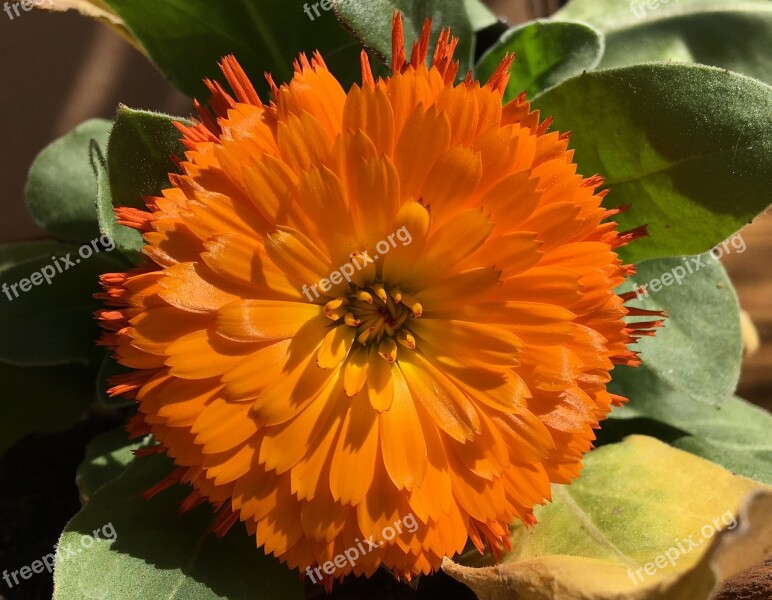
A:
(642, 522)
(99, 10)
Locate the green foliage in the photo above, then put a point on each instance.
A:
(107, 457)
(61, 189)
(139, 155)
(47, 317)
(683, 392)
(479, 14)
(697, 351)
(186, 38)
(732, 35)
(547, 52)
(37, 399)
(689, 147)
(127, 240)
(157, 552)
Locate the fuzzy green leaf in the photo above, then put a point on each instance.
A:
(14, 254)
(139, 155)
(127, 240)
(107, 457)
(731, 35)
(186, 38)
(46, 317)
(158, 553)
(480, 16)
(547, 52)
(689, 147)
(683, 392)
(709, 335)
(61, 190)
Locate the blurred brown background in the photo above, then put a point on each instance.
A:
(60, 69)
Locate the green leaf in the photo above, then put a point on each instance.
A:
(733, 434)
(621, 531)
(703, 324)
(186, 38)
(731, 35)
(683, 392)
(107, 457)
(127, 240)
(689, 147)
(548, 52)
(480, 16)
(14, 254)
(158, 553)
(108, 369)
(60, 190)
(47, 301)
(139, 155)
(370, 20)
(42, 399)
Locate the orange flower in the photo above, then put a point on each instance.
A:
(451, 380)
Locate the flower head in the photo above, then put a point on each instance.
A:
(364, 306)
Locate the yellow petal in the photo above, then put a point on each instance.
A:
(426, 135)
(355, 371)
(335, 347)
(380, 383)
(450, 408)
(269, 320)
(355, 453)
(402, 440)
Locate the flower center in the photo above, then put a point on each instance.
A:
(379, 315)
